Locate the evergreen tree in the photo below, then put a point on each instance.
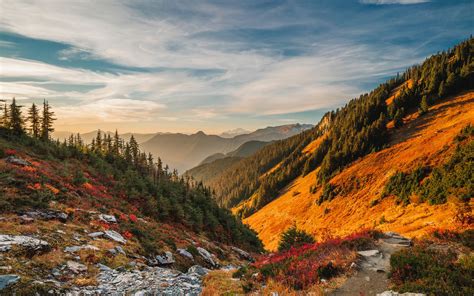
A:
(16, 123)
(4, 114)
(293, 238)
(423, 109)
(134, 150)
(47, 121)
(398, 118)
(116, 147)
(34, 120)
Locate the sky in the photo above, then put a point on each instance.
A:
(185, 66)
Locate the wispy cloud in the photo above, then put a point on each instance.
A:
(385, 2)
(189, 59)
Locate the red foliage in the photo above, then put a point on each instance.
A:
(133, 218)
(123, 217)
(10, 152)
(127, 234)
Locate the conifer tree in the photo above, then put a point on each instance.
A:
(134, 150)
(16, 123)
(4, 114)
(34, 120)
(47, 121)
(423, 109)
(398, 118)
(116, 144)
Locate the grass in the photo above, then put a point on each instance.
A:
(220, 282)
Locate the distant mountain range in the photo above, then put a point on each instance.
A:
(234, 132)
(182, 151)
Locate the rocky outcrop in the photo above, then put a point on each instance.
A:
(74, 249)
(76, 267)
(149, 281)
(45, 215)
(396, 239)
(29, 243)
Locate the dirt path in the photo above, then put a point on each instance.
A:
(371, 277)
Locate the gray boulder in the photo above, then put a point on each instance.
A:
(207, 257)
(198, 269)
(76, 267)
(74, 249)
(114, 235)
(165, 259)
(96, 234)
(185, 253)
(393, 293)
(27, 242)
(46, 215)
(17, 161)
(396, 239)
(108, 218)
(7, 280)
(243, 254)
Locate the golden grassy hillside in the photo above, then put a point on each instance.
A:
(426, 140)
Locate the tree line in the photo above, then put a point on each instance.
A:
(147, 183)
(350, 132)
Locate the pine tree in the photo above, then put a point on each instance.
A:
(98, 142)
(293, 237)
(34, 119)
(47, 121)
(134, 150)
(16, 119)
(423, 109)
(4, 114)
(116, 144)
(398, 118)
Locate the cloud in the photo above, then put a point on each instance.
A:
(386, 2)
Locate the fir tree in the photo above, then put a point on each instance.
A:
(293, 238)
(16, 123)
(34, 120)
(47, 121)
(423, 109)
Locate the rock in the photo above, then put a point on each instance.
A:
(5, 248)
(45, 215)
(5, 268)
(96, 234)
(165, 259)
(7, 280)
(103, 267)
(60, 231)
(393, 293)
(108, 218)
(120, 250)
(27, 242)
(198, 269)
(207, 256)
(354, 266)
(185, 253)
(243, 254)
(26, 220)
(114, 235)
(76, 267)
(369, 253)
(367, 278)
(17, 161)
(394, 238)
(74, 249)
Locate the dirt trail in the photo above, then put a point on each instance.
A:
(371, 277)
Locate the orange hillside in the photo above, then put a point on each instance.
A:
(427, 140)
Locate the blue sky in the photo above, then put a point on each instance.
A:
(146, 66)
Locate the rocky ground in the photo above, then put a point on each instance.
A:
(371, 277)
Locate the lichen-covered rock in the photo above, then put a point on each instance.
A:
(76, 267)
(393, 293)
(46, 215)
(114, 235)
(243, 254)
(207, 257)
(17, 161)
(185, 253)
(27, 242)
(165, 259)
(198, 269)
(74, 249)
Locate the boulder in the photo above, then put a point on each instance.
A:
(243, 254)
(17, 161)
(114, 235)
(198, 269)
(108, 218)
(396, 239)
(165, 259)
(7, 280)
(46, 215)
(74, 249)
(76, 267)
(185, 253)
(120, 250)
(27, 242)
(369, 253)
(393, 293)
(96, 234)
(207, 257)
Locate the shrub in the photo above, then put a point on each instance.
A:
(428, 271)
(293, 237)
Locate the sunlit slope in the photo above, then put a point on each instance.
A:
(427, 140)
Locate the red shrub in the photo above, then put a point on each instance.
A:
(133, 218)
